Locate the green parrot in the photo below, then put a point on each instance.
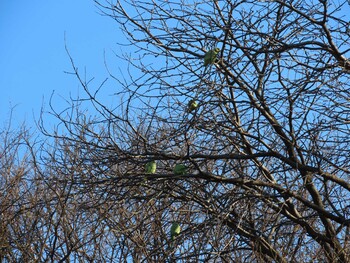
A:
(151, 167)
(210, 56)
(180, 169)
(174, 231)
(192, 105)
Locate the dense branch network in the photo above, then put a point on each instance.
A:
(230, 142)
(268, 135)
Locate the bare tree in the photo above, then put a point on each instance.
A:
(42, 218)
(266, 148)
(20, 209)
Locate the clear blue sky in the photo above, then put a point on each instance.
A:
(33, 57)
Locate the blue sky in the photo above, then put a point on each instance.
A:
(33, 57)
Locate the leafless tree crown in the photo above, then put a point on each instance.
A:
(265, 152)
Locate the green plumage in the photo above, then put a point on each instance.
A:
(174, 231)
(180, 169)
(210, 56)
(151, 167)
(192, 105)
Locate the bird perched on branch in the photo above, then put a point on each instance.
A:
(151, 167)
(180, 169)
(174, 230)
(192, 105)
(210, 56)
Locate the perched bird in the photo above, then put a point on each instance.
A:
(192, 105)
(174, 231)
(180, 169)
(210, 56)
(151, 167)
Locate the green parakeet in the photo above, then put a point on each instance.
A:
(180, 169)
(151, 167)
(174, 231)
(210, 56)
(192, 105)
